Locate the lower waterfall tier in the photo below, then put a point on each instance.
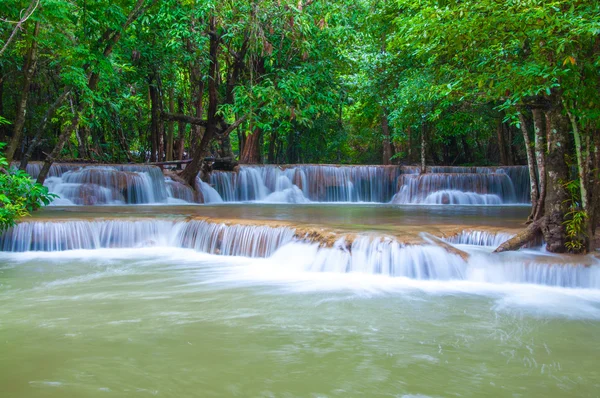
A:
(314, 249)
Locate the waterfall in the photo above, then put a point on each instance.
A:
(455, 188)
(479, 238)
(78, 184)
(319, 183)
(203, 236)
(375, 184)
(363, 254)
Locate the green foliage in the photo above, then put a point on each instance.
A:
(19, 195)
(575, 219)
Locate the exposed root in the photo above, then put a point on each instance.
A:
(522, 238)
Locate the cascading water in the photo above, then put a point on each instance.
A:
(109, 184)
(467, 188)
(363, 254)
(320, 183)
(143, 184)
(479, 238)
(377, 184)
(208, 237)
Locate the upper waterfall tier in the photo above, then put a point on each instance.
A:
(377, 184)
(80, 184)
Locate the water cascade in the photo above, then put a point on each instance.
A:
(479, 238)
(319, 183)
(456, 188)
(78, 184)
(203, 236)
(377, 184)
(289, 249)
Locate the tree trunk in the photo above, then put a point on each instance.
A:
(595, 205)
(540, 157)
(423, 148)
(501, 143)
(155, 120)
(225, 150)
(555, 205)
(170, 128)
(531, 166)
(272, 145)
(387, 146)
(180, 132)
(28, 70)
(410, 145)
(191, 171)
(252, 149)
(583, 154)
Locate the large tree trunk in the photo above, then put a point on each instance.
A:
(555, 205)
(193, 168)
(540, 157)
(531, 166)
(28, 70)
(252, 149)
(387, 145)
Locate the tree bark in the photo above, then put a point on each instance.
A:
(191, 171)
(555, 204)
(540, 156)
(156, 123)
(28, 70)
(582, 153)
(531, 167)
(387, 145)
(179, 117)
(180, 149)
(170, 128)
(251, 154)
(595, 205)
(501, 143)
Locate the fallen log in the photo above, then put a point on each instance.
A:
(522, 238)
(445, 245)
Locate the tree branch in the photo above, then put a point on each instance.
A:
(178, 117)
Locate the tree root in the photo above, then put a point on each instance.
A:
(522, 238)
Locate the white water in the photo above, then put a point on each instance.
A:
(366, 255)
(143, 184)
